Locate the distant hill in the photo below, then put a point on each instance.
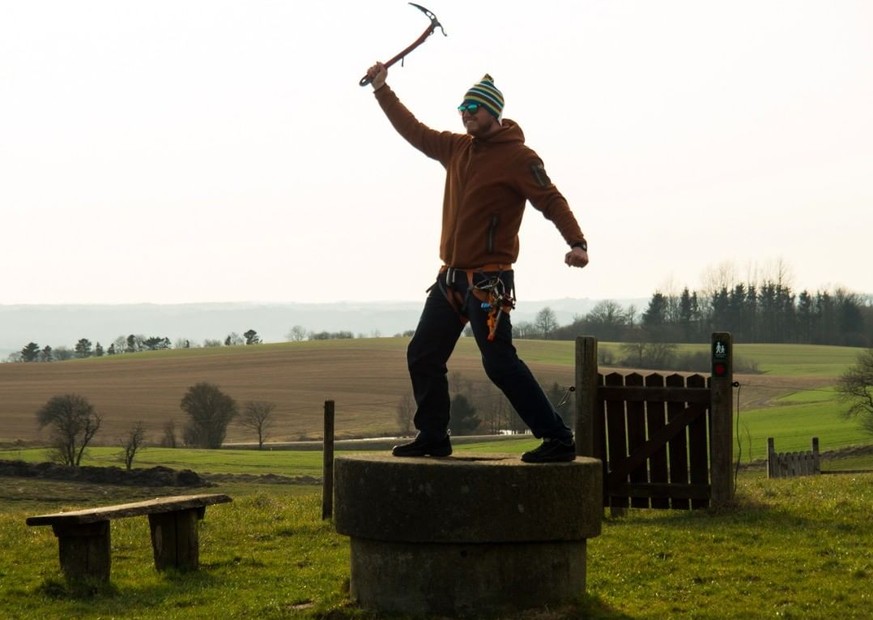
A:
(64, 325)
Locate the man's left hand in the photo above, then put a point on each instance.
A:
(577, 257)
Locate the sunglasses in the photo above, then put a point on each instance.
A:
(469, 106)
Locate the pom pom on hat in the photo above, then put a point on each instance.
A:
(487, 94)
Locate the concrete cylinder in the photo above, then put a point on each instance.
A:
(466, 534)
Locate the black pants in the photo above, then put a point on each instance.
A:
(438, 331)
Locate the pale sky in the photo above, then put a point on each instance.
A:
(175, 151)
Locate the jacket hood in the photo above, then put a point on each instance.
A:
(510, 131)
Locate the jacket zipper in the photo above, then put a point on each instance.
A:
(492, 229)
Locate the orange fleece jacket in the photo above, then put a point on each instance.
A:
(487, 185)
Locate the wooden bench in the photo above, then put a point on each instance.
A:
(84, 543)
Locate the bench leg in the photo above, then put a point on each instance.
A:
(84, 551)
(174, 539)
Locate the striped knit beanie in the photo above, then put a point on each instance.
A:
(487, 94)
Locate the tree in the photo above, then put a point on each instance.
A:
(132, 443)
(256, 415)
(73, 421)
(523, 330)
(607, 321)
(169, 438)
(463, 420)
(252, 337)
(62, 354)
(133, 343)
(83, 348)
(656, 314)
(30, 353)
(233, 339)
(562, 400)
(210, 411)
(546, 322)
(296, 334)
(405, 413)
(98, 350)
(156, 343)
(655, 355)
(855, 386)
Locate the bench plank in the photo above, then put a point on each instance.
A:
(152, 506)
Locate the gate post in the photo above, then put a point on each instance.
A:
(721, 418)
(586, 393)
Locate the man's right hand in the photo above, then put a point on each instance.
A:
(377, 75)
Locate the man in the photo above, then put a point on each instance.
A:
(490, 175)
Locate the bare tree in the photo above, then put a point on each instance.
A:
(132, 443)
(233, 340)
(523, 330)
(169, 439)
(257, 416)
(546, 322)
(74, 423)
(855, 386)
(655, 355)
(405, 413)
(296, 334)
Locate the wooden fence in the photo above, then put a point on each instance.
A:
(665, 441)
(790, 464)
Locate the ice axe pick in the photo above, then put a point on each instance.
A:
(434, 24)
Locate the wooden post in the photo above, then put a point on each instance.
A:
(721, 418)
(771, 458)
(586, 393)
(83, 550)
(327, 485)
(175, 540)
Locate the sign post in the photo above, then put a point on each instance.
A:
(721, 418)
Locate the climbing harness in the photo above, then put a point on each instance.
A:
(497, 301)
(490, 292)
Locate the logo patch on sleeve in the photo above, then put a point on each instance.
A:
(539, 174)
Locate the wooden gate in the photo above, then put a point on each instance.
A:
(665, 441)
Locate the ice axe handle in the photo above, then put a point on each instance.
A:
(366, 80)
(434, 24)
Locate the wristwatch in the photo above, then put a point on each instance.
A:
(583, 245)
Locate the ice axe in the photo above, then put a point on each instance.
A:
(434, 24)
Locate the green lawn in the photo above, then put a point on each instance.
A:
(788, 548)
(793, 421)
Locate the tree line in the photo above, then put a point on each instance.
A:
(133, 343)
(767, 313)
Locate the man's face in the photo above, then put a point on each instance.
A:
(478, 121)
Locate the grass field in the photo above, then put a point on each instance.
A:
(789, 548)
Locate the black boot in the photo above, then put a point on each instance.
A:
(422, 446)
(552, 451)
